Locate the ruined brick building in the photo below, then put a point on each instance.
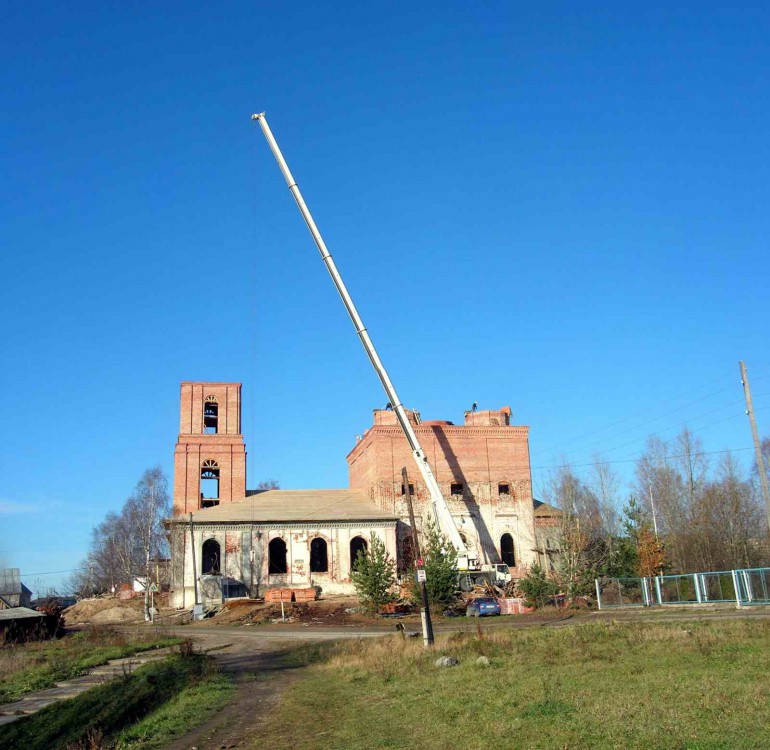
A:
(255, 539)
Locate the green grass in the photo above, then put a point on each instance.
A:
(38, 665)
(140, 711)
(688, 686)
(191, 707)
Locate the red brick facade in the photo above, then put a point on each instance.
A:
(200, 446)
(482, 468)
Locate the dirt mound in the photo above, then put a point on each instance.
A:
(88, 610)
(330, 613)
(116, 614)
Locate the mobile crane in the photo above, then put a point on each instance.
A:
(470, 569)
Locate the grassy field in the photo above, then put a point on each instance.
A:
(141, 711)
(34, 666)
(693, 685)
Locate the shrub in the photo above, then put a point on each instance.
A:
(536, 587)
(440, 563)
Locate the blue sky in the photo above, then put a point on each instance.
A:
(560, 209)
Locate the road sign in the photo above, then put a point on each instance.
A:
(421, 576)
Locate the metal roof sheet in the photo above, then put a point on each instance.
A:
(18, 613)
(275, 506)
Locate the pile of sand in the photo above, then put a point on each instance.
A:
(116, 614)
(101, 611)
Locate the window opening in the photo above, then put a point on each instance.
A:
(210, 558)
(319, 558)
(504, 489)
(276, 557)
(210, 416)
(209, 483)
(357, 544)
(411, 489)
(506, 550)
(456, 488)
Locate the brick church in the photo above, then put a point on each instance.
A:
(254, 539)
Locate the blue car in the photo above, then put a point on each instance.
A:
(482, 607)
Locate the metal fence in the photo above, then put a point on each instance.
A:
(744, 587)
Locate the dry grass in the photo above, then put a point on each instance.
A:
(600, 685)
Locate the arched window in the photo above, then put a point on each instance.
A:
(209, 483)
(276, 557)
(319, 558)
(210, 558)
(357, 544)
(507, 555)
(210, 416)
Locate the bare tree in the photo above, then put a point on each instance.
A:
(145, 510)
(124, 544)
(268, 484)
(580, 526)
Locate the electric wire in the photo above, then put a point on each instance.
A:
(636, 458)
(634, 414)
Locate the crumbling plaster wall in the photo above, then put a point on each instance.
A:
(237, 541)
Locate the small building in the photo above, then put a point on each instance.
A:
(13, 593)
(547, 535)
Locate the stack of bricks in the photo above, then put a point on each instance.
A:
(290, 595)
(514, 606)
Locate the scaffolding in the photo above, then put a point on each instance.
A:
(743, 587)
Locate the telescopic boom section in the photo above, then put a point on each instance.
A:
(440, 509)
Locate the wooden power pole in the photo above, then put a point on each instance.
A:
(755, 436)
(427, 625)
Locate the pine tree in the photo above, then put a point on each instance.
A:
(440, 563)
(374, 575)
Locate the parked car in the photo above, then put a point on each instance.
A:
(482, 607)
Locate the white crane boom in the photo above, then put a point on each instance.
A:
(440, 509)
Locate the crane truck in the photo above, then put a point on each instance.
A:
(470, 570)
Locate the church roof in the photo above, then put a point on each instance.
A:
(544, 509)
(274, 506)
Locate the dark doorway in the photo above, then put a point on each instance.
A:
(276, 557)
(357, 544)
(210, 558)
(507, 554)
(319, 558)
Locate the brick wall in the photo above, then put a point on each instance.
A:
(194, 446)
(480, 455)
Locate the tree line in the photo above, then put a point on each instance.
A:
(683, 513)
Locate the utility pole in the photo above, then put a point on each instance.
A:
(427, 625)
(755, 436)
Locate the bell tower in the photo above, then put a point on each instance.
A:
(210, 455)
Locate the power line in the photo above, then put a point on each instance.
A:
(52, 572)
(644, 411)
(678, 424)
(672, 426)
(632, 460)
